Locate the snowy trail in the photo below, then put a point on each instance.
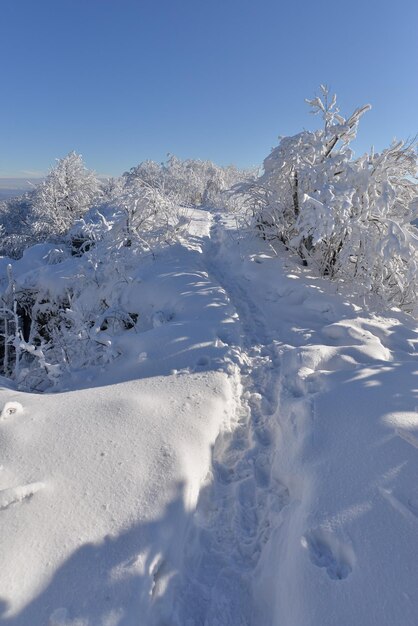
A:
(236, 506)
(252, 460)
(285, 507)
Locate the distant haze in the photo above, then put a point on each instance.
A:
(10, 187)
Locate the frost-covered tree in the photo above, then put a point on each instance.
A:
(112, 188)
(54, 322)
(66, 193)
(191, 183)
(16, 225)
(348, 217)
(149, 217)
(48, 211)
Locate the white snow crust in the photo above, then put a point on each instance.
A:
(250, 459)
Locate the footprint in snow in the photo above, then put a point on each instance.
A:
(161, 317)
(230, 601)
(203, 361)
(262, 470)
(327, 551)
(247, 492)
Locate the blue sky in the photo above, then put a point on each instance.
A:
(121, 81)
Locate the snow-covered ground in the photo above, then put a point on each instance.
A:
(251, 459)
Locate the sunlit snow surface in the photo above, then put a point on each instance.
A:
(250, 459)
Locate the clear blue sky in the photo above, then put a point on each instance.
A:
(121, 81)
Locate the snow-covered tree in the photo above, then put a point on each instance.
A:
(149, 217)
(348, 217)
(16, 225)
(191, 183)
(66, 193)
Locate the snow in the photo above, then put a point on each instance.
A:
(250, 459)
(117, 472)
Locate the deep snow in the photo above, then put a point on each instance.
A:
(251, 459)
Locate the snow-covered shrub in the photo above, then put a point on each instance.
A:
(64, 311)
(148, 216)
(348, 217)
(87, 231)
(9, 328)
(112, 189)
(64, 307)
(66, 193)
(48, 211)
(17, 232)
(190, 183)
(63, 317)
(12, 245)
(141, 216)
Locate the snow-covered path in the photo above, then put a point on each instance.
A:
(253, 461)
(310, 514)
(238, 502)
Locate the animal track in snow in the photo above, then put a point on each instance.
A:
(161, 317)
(232, 600)
(158, 570)
(327, 551)
(247, 492)
(279, 497)
(262, 470)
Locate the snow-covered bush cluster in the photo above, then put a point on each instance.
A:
(50, 209)
(348, 217)
(192, 182)
(70, 189)
(64, 303)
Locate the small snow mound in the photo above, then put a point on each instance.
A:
(11, 408)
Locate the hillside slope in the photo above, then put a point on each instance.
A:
(250, 459)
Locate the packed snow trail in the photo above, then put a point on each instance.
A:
(237, 503)
(251, 460)
(308, 494)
